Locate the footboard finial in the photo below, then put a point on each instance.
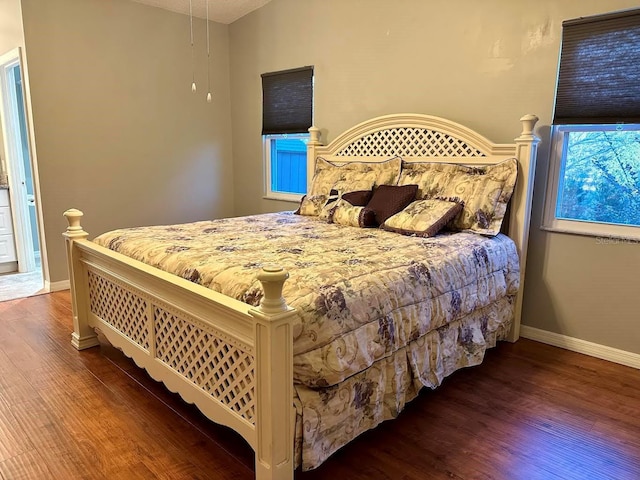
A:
(73, 217)
(272, 278)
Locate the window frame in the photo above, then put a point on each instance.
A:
(287, 112)
(270, 194)
(557, 161)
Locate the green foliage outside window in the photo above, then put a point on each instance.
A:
(601, 181)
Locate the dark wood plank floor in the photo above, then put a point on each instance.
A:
(530, 411)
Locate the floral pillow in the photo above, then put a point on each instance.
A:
(357, 191)
(328, 174)
(311, 205)
(423, 218)
(485, 191)
(353, 215)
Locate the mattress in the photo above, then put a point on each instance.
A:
(360, 294)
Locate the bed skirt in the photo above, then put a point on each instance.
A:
(329, 418)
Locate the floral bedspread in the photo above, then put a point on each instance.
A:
(360, 294)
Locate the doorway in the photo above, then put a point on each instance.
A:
(21, 274)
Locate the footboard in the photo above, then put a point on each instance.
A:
(233, 361)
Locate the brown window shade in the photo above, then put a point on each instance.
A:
(287, 101)
(599, 74)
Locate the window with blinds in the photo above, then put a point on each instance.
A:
(287, 114)
(594, 178)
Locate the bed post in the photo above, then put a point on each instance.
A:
(83, 335)
(314, 141)
(275, 414)
(526, 150)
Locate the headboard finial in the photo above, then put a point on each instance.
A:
(528, 122)
(314, 135)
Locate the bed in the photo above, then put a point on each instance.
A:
(222, 335)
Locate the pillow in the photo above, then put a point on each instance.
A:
(350, 177)
(311, 205)
(327, 208)
(485, 191)
(423, 218)
(359, 198)
(388, 200)
(321, 205)
(328, 174)
(353, 215)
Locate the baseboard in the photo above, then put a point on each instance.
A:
(9, 267)
(581, 346)
(61, 285)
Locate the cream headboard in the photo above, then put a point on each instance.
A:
(425, 138)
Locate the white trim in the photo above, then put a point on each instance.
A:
(14, 161)
(284, 197)
(9, 267)
(58, 286)
(266, 168)
(557, 159)
(592, 229)
(603, 352)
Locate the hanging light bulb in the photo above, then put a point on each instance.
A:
(208, 57)
(193, 61)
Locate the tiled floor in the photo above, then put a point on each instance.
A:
(20, 285)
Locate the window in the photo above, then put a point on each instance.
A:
(286, 157)
(287, 110)
(594, 176)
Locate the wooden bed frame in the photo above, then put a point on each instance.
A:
(234, 361)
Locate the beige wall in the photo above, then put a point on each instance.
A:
(483, 64)
(10, 26)
(119, 134)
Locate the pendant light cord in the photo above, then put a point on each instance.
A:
(193, 59)
(208, 62)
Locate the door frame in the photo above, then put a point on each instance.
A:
(13, 157)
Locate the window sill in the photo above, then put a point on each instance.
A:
(283, 197)
(603, 233)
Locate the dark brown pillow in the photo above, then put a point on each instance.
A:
(388, 200)
(367, 218)
(359, 198)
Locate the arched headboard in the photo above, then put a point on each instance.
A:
(425, 138)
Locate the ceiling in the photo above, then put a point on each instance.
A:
(221, 11)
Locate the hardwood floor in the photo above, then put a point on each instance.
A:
(530, 411)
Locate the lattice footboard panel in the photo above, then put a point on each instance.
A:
(122, 309)
(213, 363)
(409, 142)
(210, 359)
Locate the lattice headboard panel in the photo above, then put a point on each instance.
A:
(409, 142)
